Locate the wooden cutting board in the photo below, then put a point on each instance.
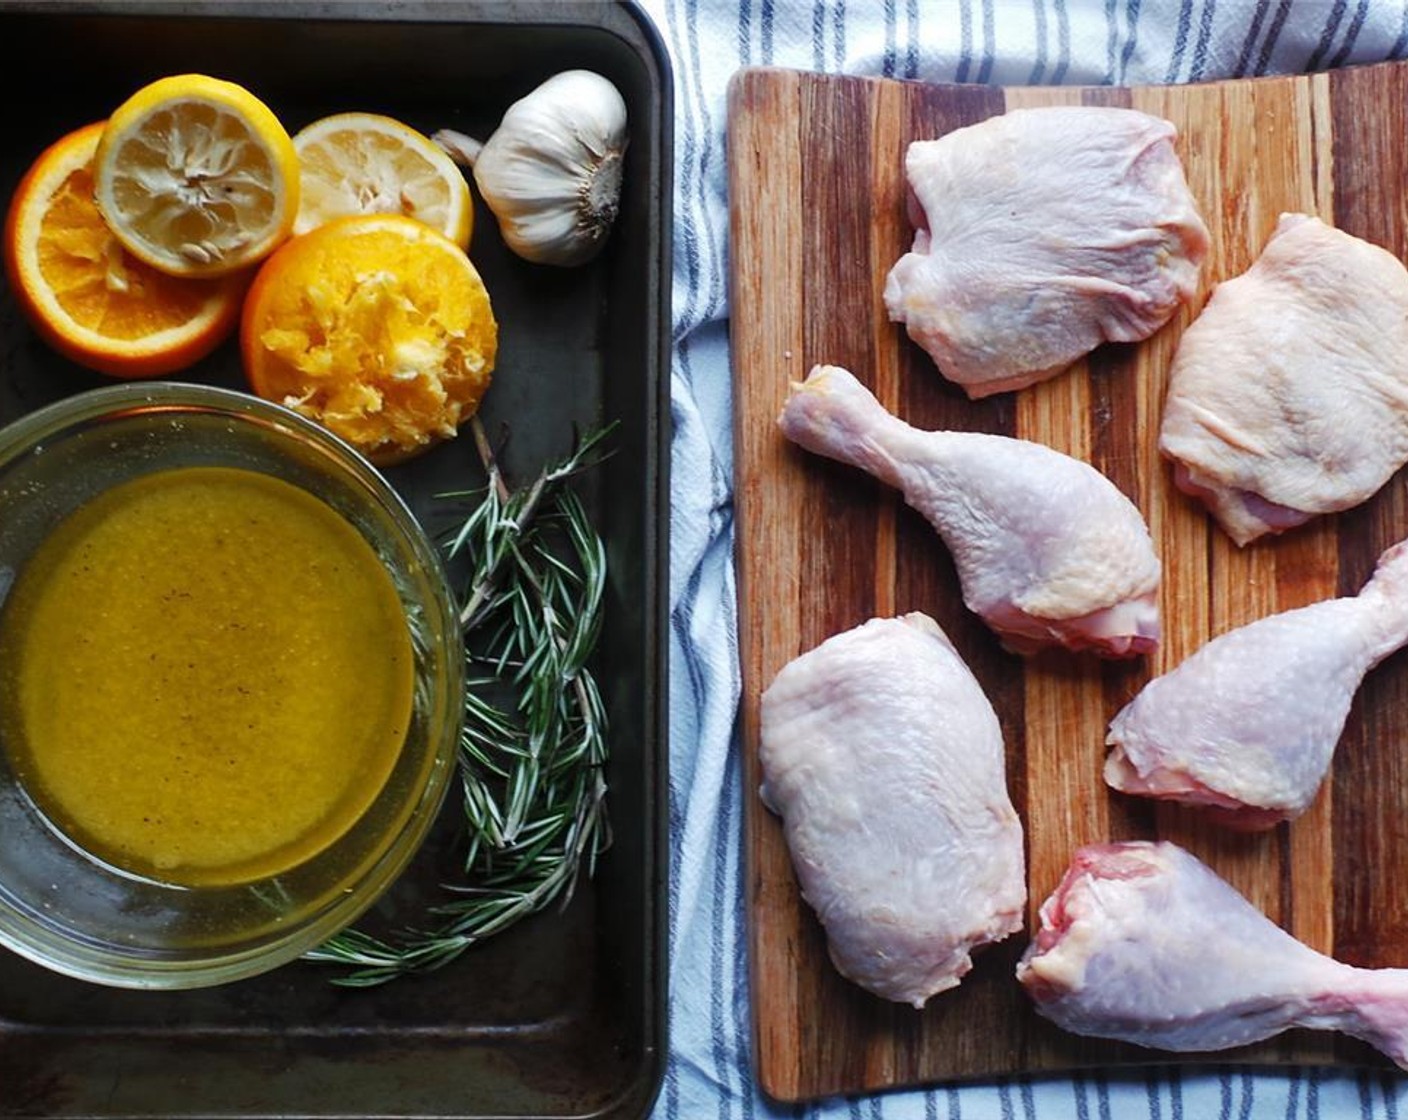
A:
(817, 219)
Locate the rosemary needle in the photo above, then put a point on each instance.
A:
(534, 746)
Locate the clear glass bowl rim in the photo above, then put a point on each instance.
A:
(90, 962)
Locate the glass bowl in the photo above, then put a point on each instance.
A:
(73, 913)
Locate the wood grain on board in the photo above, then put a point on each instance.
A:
(817, 218)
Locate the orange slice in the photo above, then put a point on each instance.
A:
(85, 295)
(377, 327)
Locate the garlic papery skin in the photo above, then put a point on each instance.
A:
(551, 173)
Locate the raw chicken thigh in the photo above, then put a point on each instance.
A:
(1288, 396)
(1044, 233)
(1048, 551)
(1144, 943)
(885, 761)
(1249, 723)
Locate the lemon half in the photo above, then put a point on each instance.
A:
(196, 176)
(362, 163)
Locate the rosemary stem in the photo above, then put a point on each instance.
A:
(479, 594)
(531, 769)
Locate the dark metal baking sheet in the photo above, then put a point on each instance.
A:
(564, 1015)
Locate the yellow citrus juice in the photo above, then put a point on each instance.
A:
(205, 676)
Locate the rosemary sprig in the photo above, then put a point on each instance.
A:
(530, 767)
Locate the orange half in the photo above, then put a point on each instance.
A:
(89, 298)
(377, 327)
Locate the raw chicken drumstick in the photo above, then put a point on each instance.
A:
(885, 761)
(1144, 943)
(1248, 724)
(1288, 396)
(1044, 232)
(1048, 551)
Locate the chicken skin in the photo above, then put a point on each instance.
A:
(1144, 943)
(1248, 724)
(1041, 234)
(1048, 551)
(1288, 397)
(885, 761)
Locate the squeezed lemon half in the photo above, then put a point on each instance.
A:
(196, 176)
(362, 163)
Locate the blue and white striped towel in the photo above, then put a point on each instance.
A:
(1002, 42)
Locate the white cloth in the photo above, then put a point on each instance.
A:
(1001, 42)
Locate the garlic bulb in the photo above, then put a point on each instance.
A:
(551, 173)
